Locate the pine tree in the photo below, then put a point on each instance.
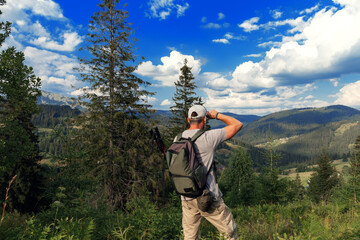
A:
(115, 139)
(184, 98)
(300, 190)
(19, 90)
(323, 180)
(238, 179)
(5, 27)
(355, 168)
(273, 186)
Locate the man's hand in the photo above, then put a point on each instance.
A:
(211, 114)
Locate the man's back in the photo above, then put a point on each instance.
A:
(218, 214)
(206, 145)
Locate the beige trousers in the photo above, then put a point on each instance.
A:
(219, 215)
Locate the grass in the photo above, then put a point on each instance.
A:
(305, 176)
(46, 130)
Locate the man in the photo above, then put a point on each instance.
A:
(219, 214)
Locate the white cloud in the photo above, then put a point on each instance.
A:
(310, 10)
(260, 102)
(334, 81)
(222, 40)
(221, 16)
(212, 26)
(54, 69)
(276, 14)
(162, 8)
(168, 72)
(181, 9)
(349, 95)
(254, 55)
(249, 25)
(27, 27)
(17, 10)
(327, 46)
(148, 99)
(71, 41)
(231, 36)
(270, 43)
(297, 24)
(203, 19)
(166, 102)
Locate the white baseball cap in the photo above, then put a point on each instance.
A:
(200, 112)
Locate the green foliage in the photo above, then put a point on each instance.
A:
(238, 180)
(5, 27)
(144, 220)
(355, 169)
(117, 152)
(19, 89)
(184, 98)
(59, 229)
(323, 181)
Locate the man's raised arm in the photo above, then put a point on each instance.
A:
(233, 125)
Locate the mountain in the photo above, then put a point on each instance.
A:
(49, 98)
(306, 131)
(163, 117)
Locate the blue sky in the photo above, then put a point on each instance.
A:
(248, 57)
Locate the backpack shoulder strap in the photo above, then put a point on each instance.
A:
(197, 134)
(178, 137)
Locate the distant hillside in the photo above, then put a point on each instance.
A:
(52, 115)
(49, 118)
(163, 117)
(306, 131)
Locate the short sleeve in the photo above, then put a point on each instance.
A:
(216, 136)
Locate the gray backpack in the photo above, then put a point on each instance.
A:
(187, 172)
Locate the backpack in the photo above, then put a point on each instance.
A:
(186, 170)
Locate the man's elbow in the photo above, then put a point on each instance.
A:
(238, 126)
(233, 130)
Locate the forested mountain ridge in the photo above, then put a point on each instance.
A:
(163, 116)
(298, 133)
(306, 131)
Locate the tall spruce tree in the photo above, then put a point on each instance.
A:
(184, 98)
(323, 180)
(238, 179)
(355, 169)
(115, 139)
(19, 90)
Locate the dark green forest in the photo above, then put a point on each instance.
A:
(99, 174)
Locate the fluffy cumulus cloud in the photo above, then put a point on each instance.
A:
(70, 41)
(326, 46)
(168, 71)
(31, 34)
(163, 8)
(349, 95)
(27, 30)
(250, 25)
(166, 102)
(261, 102)
(55, 70)
(227, 37)
(18, 10)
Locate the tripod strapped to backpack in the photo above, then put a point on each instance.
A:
(155, 135)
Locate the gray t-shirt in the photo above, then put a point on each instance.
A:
(206, 145)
